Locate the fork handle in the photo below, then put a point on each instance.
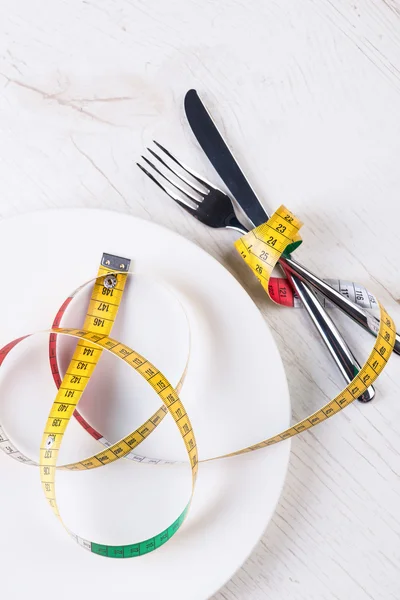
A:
(330, 335)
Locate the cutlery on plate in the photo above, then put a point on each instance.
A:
(214, 208)
(224, 163)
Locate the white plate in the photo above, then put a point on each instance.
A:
(236, 394)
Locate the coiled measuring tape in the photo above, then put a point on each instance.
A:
(261, 249)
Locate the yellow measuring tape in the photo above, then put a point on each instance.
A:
(261, 249)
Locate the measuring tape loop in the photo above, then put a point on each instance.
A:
(81, 367)
(261, 249)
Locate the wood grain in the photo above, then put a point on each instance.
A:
(307, 93)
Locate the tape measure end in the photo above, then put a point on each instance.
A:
(115, 263)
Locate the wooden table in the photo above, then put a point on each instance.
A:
(307, 93)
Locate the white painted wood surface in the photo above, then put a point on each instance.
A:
(307, 93)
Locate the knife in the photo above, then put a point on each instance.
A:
(227, 167)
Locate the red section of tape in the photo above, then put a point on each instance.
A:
(281, 291)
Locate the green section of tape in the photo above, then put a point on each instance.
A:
(291, 248)
(141, 548)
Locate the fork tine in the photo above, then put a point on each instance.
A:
(185, 180)
(181, 203)
(194, 200)
(195, 176)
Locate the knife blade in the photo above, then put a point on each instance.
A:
(222, 158)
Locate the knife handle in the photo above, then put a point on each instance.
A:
(330, 335)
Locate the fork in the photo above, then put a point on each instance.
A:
(212, 207)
